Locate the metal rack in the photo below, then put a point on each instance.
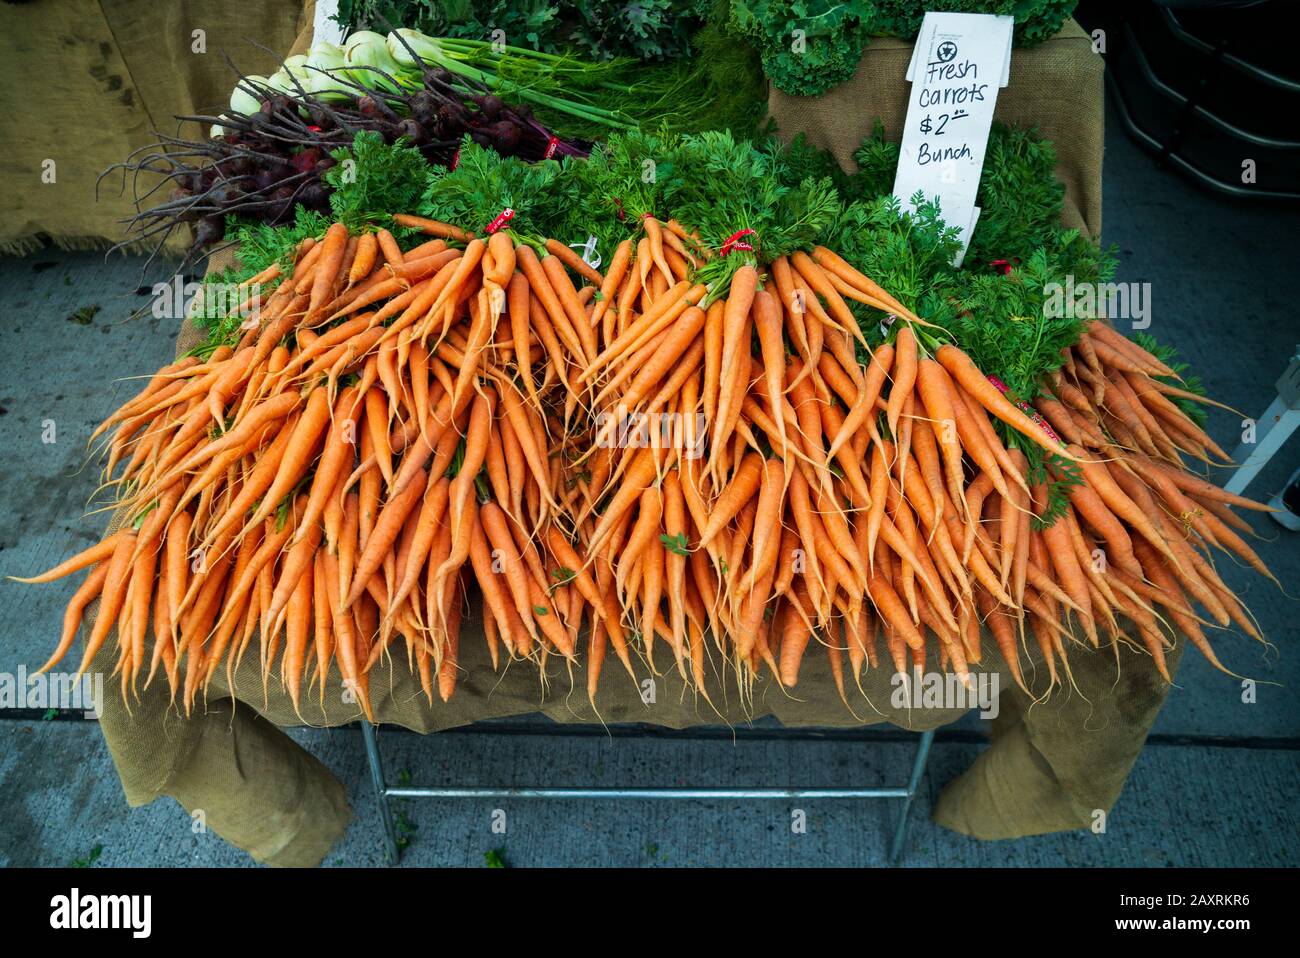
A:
(1188, 107)
(384, 792)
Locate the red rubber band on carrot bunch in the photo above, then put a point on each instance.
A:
(551, 145)
(1027, 409)
(504, 217)
(736, 241)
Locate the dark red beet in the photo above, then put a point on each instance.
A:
(306, 160)
(411, 130)
(506, 134)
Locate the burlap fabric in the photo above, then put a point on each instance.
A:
(1056, 86)
(87, 83)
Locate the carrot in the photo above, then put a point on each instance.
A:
(821, 285)
(905, 370)
(744, 286)
(964, 371)
(1056, 538)
(363, 261)
(333, 248)
(573, 261)
(1095, 512)
(863, 409)
(1199, 487)
(116, 579)
(744, 484)
(387, 525)
(609, 286)
(432, 227)
(838, 266)
(890, 607)
(88, 557)
(767, 323)
(87, 592)
(767, 521)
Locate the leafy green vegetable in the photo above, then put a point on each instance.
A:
(261, 245)
(495, 858)
(1036, 20)
(484, 184)
(732, 187)
(809, 46)
(1000, 322)
(628, 176)
(646, 29)
(373, 180)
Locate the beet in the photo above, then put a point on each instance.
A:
(321, 117)
(267, 163)
(507, 135)
(411, 130)
(271, 175)
(314, 196)
(306, 160)
(424, 103)
(209, 231)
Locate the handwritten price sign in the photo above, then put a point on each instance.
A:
(959, 63)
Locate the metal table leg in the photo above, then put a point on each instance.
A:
(1274, 428)
(913, 786)
(381, 791)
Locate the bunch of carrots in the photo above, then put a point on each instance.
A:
(481, 419)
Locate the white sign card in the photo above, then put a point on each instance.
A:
(959, 63)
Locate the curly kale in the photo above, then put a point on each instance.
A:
(1036, 20)
(809, 46)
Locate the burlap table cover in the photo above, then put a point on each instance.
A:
(1056, 86)
(87, 83)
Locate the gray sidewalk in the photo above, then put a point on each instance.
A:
(1217, 786)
